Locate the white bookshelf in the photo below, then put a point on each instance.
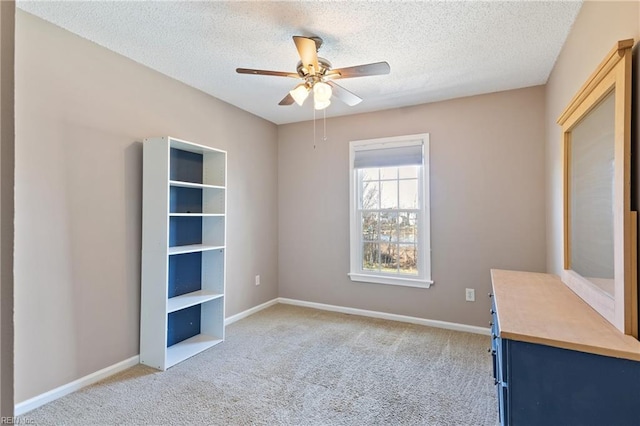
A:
(183, 250)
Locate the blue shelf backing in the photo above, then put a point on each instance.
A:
(185, 166)
(183, 324)
(185, 230)
(185, 200)
(185, 273)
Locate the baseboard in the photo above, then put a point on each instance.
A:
(251, 311)
(383, 315)
(37, 401)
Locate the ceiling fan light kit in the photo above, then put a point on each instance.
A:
(321, 91)
(318, 105)
(318, 75)
(300, 93)
(321, 95)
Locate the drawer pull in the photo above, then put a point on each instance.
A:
(492, 311)
(490, 323)
(490, 294)
(505, 385)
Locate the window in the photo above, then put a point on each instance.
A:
(390, 241)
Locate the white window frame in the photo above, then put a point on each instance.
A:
(423, 279)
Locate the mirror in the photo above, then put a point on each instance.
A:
(591, 196)
(599, 226)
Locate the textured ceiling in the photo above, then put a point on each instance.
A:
(436, 50)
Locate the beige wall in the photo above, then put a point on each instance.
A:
(82, 111)
(7, 24)
(487, 203)
(81, 114)
(597, 28)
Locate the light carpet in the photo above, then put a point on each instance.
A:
(289, 365)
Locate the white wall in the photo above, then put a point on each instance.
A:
(597, 28)
(81, 114)
(487, 203)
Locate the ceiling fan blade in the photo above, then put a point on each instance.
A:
(308, 53)
(287, 100)
(344, 95)
(377, 68)
(266, 72)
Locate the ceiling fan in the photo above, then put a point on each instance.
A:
(318, 76)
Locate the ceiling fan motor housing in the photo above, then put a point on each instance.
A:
(303, 71)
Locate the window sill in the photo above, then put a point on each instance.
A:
(380, 279)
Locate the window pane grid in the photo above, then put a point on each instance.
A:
(391, 258)
(388, 211)
(389, 241)
(377, 191)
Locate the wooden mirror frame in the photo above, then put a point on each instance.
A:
(613, 75)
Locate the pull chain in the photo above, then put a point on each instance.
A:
(324, 124)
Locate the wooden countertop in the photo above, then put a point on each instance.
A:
(539, 308)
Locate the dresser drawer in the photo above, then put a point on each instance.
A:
(499, 348)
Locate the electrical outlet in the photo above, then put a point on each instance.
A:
(257, 279)
(470, 295)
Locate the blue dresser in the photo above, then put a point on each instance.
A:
(556, 360)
